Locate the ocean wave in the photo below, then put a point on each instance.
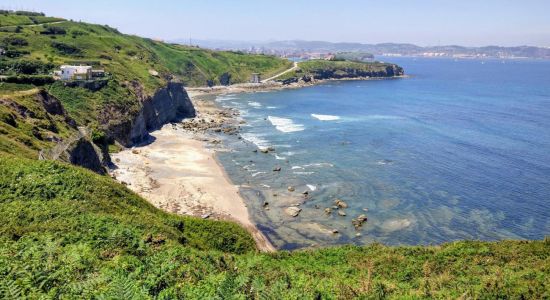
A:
(382, 117)
(297, 167)
(254, 104)
(285, 125)
(271, 107)
(258, 173)
(311, 187)
(325, 117)
(303, 173)
(255, 139)
(323, 164)
(279, 157)
(225, 98)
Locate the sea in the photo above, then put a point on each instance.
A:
(460, 149)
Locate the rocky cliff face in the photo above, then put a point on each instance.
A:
(169, 104)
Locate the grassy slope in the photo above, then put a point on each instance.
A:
(66, 232)
(127, 58)
(314, 67)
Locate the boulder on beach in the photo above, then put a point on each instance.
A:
(328, 210)
(341, 213)
(291, 189)
(293, 211)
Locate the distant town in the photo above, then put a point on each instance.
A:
(324, 50)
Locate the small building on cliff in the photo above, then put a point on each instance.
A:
(255, 78)
(68, 72)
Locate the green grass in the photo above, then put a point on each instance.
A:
(128, 59)
(66, 232)
(324, 69)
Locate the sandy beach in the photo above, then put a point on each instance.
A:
(178, 173)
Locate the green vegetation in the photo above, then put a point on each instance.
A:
(335, 69)
(137, 68)
(69, 233)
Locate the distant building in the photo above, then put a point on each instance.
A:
(255, 78)
(67, 72)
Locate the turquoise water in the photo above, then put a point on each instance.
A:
(460, 150)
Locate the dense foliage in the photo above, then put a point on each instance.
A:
(340, 69)
(68, 233)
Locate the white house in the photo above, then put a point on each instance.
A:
(75, 72)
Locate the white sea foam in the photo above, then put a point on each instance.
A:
(254, 104)
(285, 125)
(225, 98)
(258, 173)
(382, 117)
(271, 107)
(303, 173)
(323, 164)
(297, 167)
(255, 139)
(325, 117)
(311, 187)
(279, 157)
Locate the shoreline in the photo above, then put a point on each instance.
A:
(271, 86)
(178, 172)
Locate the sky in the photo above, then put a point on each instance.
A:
(421, 22)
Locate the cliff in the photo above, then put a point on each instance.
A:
(169, 104)
(323, 69)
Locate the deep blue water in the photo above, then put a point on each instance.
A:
(460, 150)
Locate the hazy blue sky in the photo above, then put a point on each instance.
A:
(423, 22)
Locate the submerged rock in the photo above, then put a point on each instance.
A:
(277, 169)
(341, 213)
(328, 210)
(340, 203)
(293, 211)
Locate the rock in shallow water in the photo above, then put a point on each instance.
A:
(293, 211)
(340, 203)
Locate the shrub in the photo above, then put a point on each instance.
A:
(66, 48)
(27, 67)
(15, 41)
(53, 30)
(30, 79)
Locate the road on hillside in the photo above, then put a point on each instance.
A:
(294, 67)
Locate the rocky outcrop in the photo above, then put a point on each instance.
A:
(78, 150)
(388, 71)
(311, 75)
(53, 106)
(169, 104)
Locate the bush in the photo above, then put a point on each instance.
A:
(30, 79)
(29, 13)
(11, 53)
(53, 30)
(27, 67)
(66, 48)
(15, 41)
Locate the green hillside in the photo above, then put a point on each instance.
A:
(68, 233)
(32, 46)
(341, 69)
